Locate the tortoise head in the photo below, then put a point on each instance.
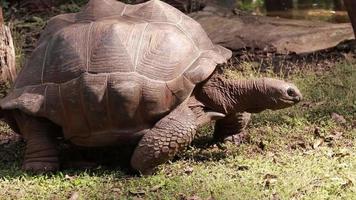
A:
(268, 93)
(254, 95)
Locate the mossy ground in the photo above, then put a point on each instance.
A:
(304, 152)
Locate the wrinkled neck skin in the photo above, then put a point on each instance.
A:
(230, 96)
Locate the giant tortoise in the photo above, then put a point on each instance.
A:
(114, 74)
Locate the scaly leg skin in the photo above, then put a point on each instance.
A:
(41, 153)
(232, 128)
(161, 143)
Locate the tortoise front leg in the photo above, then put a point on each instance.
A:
(232, 128)
(170, 135)
(41, 153)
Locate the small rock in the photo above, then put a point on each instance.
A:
(338, 118)
(188, 170)
(68, 177)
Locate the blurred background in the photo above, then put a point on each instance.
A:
(326, 10)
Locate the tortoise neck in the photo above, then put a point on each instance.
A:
(231, 96)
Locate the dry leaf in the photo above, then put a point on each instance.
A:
(74, 196)
(338, 118)
(318, 142)
(68, 177)
(335, 136)
(347, 184)
(137, 192)
(188, 170)
(317, 132)
(194, 198)
(116, 189)
(269, 180)
(243, 168)
(156, 187)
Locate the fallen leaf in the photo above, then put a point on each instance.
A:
(338, 118)
(156, 187)
(340, 154)
(68, 177)
(137, 192)
(194, 198)
(318, 142)
(298, 144)
(184, 197)
(243, 168)
(335, 136)
(347, 184)
(353, 124)
(137, 198)
(274, 196)
(317, 132)
(269, 176)
(188, 170)
(116, 189)
(74, 196)
(211, 197)
(269, 180)
(181, 196)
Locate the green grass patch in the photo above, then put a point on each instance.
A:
(303, 152)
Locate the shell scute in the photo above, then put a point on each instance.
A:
(165, 52)
(114, 69)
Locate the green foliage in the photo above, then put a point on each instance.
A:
(4, 4)
(250, 5)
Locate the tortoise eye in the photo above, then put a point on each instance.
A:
(291, 92)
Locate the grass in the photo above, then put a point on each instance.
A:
(298, 153)
(304, 152)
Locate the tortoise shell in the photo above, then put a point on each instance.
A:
(113, 69)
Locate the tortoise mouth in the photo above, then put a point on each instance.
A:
(291, 100)
(286, 102)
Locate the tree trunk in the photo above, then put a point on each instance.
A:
(339, 5)
(278, 5)
(351, 9)
(7, 54)
(272, 34)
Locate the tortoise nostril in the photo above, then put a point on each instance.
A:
(291, 92)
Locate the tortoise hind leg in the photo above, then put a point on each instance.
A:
(170, 135)
(41, 153)
(232, 128)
